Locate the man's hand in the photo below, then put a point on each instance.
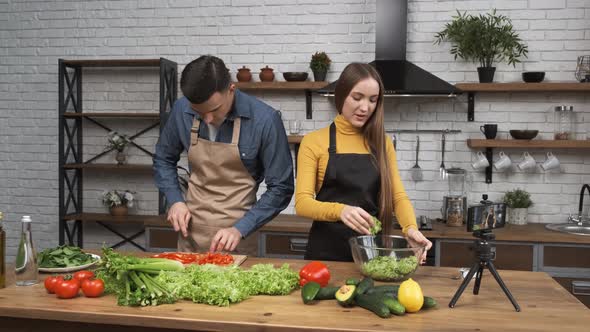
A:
(179, 216)
(417, 239)
(357, 219)
(226, 239)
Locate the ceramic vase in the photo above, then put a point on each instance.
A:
(121, 157)
(518, 216)
(119, 210)
(266, 74)
(244, 74)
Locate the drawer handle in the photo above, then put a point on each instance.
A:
(297, 245)
(580, 287)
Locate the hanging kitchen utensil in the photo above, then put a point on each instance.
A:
(394, 142)
(416, 170)
(442, 169)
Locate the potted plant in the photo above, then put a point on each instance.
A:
(483, 39)
(118, 202)
(118, 142)
(518, 202)
(319, 64)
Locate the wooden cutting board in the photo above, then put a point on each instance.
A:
(239, 259)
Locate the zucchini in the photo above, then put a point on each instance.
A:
(326, 293)
(383, 289)
(374, 304)
(352, 281)
(428, 302)
(345, 295)
(309, 291)
(394, 306)
(364, 285)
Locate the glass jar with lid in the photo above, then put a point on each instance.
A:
(455, 212)
(564, 122)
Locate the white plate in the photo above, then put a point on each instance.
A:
(71, 268)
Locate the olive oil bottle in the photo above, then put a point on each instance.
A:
(2, 254)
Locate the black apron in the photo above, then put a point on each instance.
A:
(350, 179)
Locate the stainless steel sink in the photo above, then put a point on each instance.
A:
(570, 228)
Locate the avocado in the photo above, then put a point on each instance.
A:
(345, 295)
(309, 291)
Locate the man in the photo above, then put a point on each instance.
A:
(234, 141)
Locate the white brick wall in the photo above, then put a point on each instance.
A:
(283, 35)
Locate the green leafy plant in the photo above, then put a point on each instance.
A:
(518, 199)
(117, 141)
(483, 38)
(117, 198)
(320, 61)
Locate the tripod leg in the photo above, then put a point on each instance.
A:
(478, 279)
(493, 271)
(463, 285)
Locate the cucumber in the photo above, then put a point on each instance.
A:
(428, 302)
(394, 306)
(309, 291)
(352, 281)
(374, 304)
(326, 293)
(383, 289)
(364, 285)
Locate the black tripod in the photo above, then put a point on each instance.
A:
(484, 253)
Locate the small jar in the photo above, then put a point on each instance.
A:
(564, 122)
(244, 74)
(266, 74)
(455, 213)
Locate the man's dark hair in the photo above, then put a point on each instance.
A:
(202, 77)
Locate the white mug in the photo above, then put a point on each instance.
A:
(503, 162)
(527, 162)
(550, 163)
(481, 162)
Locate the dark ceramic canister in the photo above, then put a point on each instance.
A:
(244, 74)
(266, 74)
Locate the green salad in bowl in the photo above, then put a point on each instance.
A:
(385, 257)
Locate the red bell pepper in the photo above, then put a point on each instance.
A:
(314, 271)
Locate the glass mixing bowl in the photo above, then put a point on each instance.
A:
(385, 257)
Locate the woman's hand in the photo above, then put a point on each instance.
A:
(417, 239)
(357, 219)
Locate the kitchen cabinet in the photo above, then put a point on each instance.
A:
(509, 256)
(73, 166)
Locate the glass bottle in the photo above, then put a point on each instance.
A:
(563, 120)
(26, 258)
(455, 212)
(2, 254)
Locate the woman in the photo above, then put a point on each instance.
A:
(352, 185)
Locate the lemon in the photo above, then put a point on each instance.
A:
(410, 295)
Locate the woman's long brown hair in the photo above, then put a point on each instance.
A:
(373, 132)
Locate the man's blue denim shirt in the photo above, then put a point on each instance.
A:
(263, 146)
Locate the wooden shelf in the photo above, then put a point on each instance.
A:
(305, 85)
(126, 167)
(294, 139)
(151, 115)
(539, 144)
(524, 87)
(132, 218)
(114, 63)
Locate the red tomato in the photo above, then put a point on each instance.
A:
(83, 275)
(51, 282)
(92, 287)
(67, 289)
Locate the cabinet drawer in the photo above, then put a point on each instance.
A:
(581, 295)
(508, 256)
(558, 256)
(285, 244)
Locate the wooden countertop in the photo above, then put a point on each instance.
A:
(536, 233)
(545, 305)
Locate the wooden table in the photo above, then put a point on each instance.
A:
(546, 306)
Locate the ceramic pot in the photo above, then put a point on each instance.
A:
(319, 75)
(244, 74)
(486, 74)
(518, 216)
(121, 157)
(266, 74)
(119, 210)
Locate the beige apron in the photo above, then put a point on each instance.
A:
(220, 189)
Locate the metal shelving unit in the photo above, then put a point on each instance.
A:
(71, 163)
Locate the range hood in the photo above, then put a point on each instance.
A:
(401, 78)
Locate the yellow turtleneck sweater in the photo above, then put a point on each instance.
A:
(312, 161)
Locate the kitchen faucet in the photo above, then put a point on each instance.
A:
(579, 221)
